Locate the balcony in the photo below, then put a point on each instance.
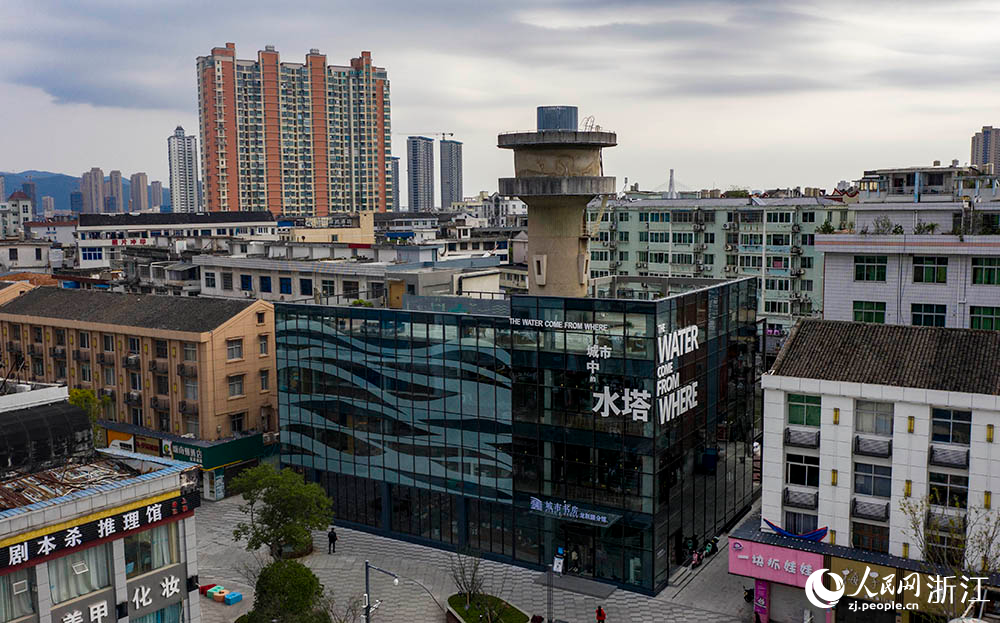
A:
(36, 350)
(876, 511)
(801, 499)
(108, 392)
(160, 366)
(159, 403)
(81, 355)
(58, 352)
(188, 407)
(944, 456)
(873, 446)
(802, 438)
(107, 359)
(133, 398)
(14, 347)
(132, 361)
(951, 520)
(187, 370)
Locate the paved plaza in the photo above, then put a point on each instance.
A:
(710, 595)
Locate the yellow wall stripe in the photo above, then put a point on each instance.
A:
(34, 534)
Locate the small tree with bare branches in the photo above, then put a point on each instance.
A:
(466, 572)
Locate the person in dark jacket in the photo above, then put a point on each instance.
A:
(332, 536)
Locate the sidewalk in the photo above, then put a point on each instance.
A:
(712, 596)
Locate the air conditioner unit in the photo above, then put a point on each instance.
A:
(699, 227)
(796, 228)
(727, 226)
(796, 250)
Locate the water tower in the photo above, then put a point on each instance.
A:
(557, 171)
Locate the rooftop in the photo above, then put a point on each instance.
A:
(173, 218)
(25, 489)
(18, 195)
(956, 360)
(149, 311)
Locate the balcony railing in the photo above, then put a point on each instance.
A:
(876, 511)
(14, 347)
(801, 499)
(159, 403)
(873, 446)
(58, 352)
(188, 407)
(132, 362)
(133, 398)
(188, 370)
(949, 457)
(802, 438)
(107, 359)
(160, 366)
(951, 520)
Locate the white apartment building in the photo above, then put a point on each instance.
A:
(14, 213)
(860, 418)
(182, 154)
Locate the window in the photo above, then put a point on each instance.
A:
(873, 418)
(802, 469)
(776, 307)
(133, 345)
(683, 237)
(15, 332)
(808, 217)
(949, 490)
(800, 523)
(869, 311)
(91, 254)
(60, 337)
(38, 254)
(79, 573)
(984, 317)
(161, 349)
(260, 317)
(328, 287)
(930, 269)
(236, 385)
(710, 237)
(109, 376)
(986, 271)
(285, 285)
(265, 380)
(806, 262)
(946, 547)
(36, 333)
(623, 236)
(12, 254)
(191, 390)
(809, 239)
(237, 422)
(234, 349)
(162, 385)
(951, 426)
(806, 285)
(779, 217)
(190, 351)
(803, 410)
(85, 375)
(262, 341)
(151, 549)
(23, 603)
(870, 537)
(246, 283)
(870, 267)
(874, 480)
(38, 368)
(227, 281)
(306, 287)
(109, 342)
(209, 280)
(928, 315)
(134, 381)
(779, 239)
(265, 284)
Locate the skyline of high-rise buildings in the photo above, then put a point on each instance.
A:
(451, 172)
(420, 173)
(293, 138)
(183, 163)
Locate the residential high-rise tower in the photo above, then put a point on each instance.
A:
(155, 195)
(117, 190)
(451, 173)
(92, 187)
(394, 177)
(137, 191)
(420, 173)
(181, 152)
(986, 147)
(293, 138)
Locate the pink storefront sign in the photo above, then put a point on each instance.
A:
(772, 563)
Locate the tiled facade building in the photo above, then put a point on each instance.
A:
(294, 138)
(173, 365)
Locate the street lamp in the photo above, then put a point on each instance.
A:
(395, 582)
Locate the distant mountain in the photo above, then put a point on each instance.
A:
(58, 186)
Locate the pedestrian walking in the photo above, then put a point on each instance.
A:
(602, 616)
(332, 536)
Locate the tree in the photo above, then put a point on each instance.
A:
(87, 400)
(882, 226)
(825, 228)
(466, 573)
(286, 591)
(281, 509)
(955, 541)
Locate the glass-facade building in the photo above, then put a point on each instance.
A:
(614, 429)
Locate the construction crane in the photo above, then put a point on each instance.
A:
(441, 134)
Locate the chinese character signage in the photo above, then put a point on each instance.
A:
(772, 563)
(113, 526)
(672, 400)
(565, 510)
(96, 607)
(154, 591)
(183, 452)
(862, 580)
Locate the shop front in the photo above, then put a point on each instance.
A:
(864, 599)
(779, 575)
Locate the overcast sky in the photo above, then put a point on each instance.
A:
(752, 94)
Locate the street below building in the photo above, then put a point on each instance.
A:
(707, 595)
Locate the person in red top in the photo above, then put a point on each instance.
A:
(601, 615)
